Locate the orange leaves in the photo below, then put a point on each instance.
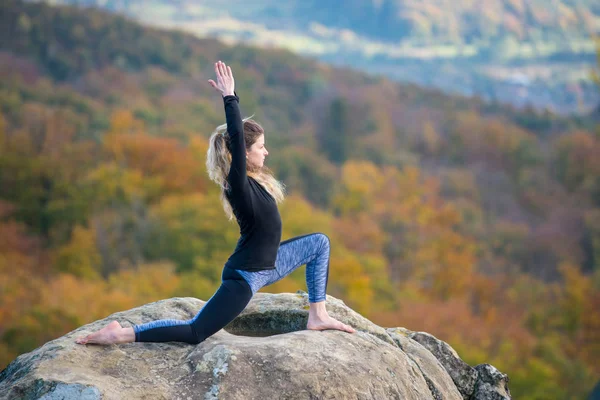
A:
(403, 213)
(145, 283)
(160, 158)
(360, 232)
(13, 235)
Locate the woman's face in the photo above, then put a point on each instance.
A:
(257, 153)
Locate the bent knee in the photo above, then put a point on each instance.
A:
(324, 240)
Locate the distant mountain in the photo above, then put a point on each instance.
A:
(534, 52)
(425, 22)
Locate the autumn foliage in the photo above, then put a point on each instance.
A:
(477, 224)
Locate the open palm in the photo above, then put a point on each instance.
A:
(225, 83)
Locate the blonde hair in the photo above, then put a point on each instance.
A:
(218, 163)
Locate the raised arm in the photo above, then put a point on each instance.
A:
(240, 189)
(237, 145)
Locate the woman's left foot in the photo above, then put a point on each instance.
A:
(319, 324)
(107, 335)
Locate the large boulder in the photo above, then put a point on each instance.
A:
(265, 353)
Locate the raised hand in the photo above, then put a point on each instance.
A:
(225, 83)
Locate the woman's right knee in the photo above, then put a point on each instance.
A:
(228, 302)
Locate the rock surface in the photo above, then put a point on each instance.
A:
(265, 353)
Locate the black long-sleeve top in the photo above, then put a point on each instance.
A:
(255, 209)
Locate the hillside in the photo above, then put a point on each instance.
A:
(470, 220)
(395, 21)
(521, 52)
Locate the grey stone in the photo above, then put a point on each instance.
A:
(492, 384)
(463, 375)
(438, 380)
(265, 353)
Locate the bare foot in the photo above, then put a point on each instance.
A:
(107, 335)
(319, 324)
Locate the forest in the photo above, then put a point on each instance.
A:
(470, 220)
(520, 52)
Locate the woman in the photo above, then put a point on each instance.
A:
(235, 161)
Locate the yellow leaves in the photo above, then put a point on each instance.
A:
(361, 176)
(195, 285)
(112, 183)
(147, 282)
(192, 231)
(289, 284)
(347, 275)
(80, 256)
(300, 217)
(170, 208)
(431, 140)
(576, 292)
(193, 213)
(123, 122)
(361, 182)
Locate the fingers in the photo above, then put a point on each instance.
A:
(217, 72)
(224, 76)
(222, 69)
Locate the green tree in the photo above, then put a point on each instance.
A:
(334, 137)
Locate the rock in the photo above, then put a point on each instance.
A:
(439, 382)
(282, 313)
(463, 375)
(492, 384)
(265, 353)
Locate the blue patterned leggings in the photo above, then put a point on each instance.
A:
(238, 287)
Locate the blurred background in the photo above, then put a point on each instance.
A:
(450, 150)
